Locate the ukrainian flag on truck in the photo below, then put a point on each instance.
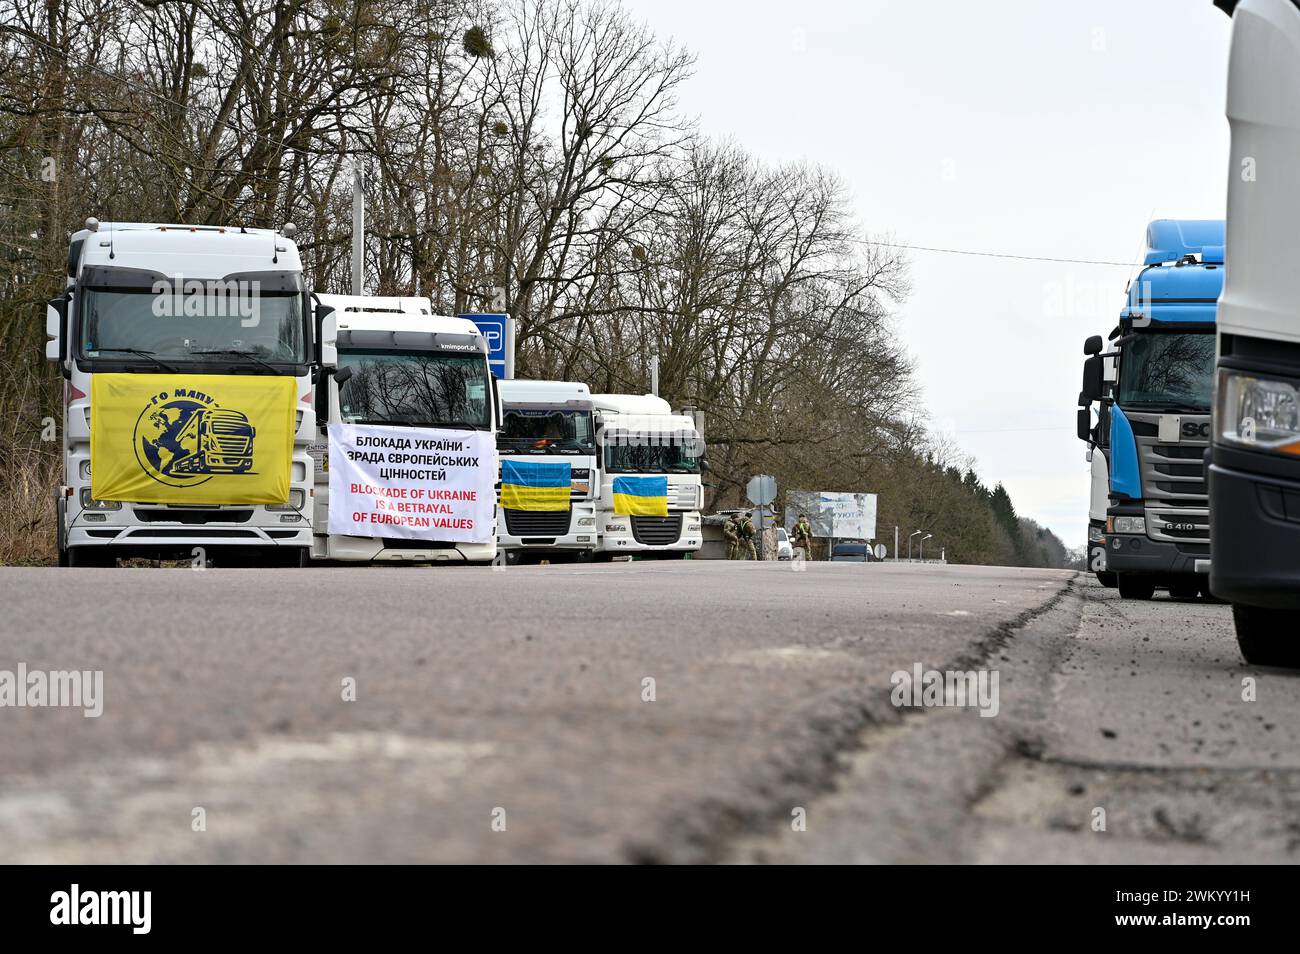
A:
(533, 485)
(641, 496)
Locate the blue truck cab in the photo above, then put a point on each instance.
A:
(1156, 412)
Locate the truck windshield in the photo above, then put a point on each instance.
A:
(1167, 371)
(420, 388)
(545, 430)
(653, 454)
(119, 322)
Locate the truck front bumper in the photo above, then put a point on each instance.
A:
(123, 531)
(1255, 537)
(582, 535)
(620, 538)
(1137, 553)
(372, 550)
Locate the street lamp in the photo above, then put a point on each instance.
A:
(923, 539)
(909, 543)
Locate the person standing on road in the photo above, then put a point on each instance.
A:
(747, 537)
(731, 530)
(802, 535)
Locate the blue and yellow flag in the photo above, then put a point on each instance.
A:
(191, 438)
(534, 485)
(641, 496)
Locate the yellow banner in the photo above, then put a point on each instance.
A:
(191, 438)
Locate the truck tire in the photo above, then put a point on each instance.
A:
(1108, 579)
(1135, 587)
(1184, 591)
(1268, 637)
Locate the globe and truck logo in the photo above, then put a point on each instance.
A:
(185, 438)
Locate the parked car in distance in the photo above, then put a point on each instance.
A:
(784, 550)
(852, 553)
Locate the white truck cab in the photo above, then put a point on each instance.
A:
(157, 299)
(550, 422)
(392, 361)
(639, 435)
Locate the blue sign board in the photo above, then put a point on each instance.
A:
(493, 328)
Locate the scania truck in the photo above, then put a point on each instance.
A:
(550, 422)
(180, 302)
(1255, 457)
(639, 436)
(393, 361)
(1157, 413)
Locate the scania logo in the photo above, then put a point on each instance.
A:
(184, 438)
(1191, 429)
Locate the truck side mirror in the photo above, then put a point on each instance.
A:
(56, 338)
(342, 376)
(1093, 345)
(1084, 424)
(327, 333)
(1092, 379)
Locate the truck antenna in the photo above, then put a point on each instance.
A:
(111, 256)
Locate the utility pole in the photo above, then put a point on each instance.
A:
(358, 229)
(654, 374)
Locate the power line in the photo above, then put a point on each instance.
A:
(1010, 255)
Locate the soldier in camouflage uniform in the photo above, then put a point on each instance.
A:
(802, 536)
(746, 531)
(731, 530)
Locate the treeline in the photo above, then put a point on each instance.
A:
(526, 156)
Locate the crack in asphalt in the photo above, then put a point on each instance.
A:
(713, 831)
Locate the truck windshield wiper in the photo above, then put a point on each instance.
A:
(232, 352)
(144, 354)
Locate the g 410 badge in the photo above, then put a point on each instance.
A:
(184, 438)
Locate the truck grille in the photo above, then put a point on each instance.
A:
(1173, 483)
(657, 531)
(538, 523)
(681, 497)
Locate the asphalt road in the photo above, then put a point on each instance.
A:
(505, 715)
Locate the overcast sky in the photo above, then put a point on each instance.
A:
(1048, 128)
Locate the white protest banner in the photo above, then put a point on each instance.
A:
(416, 483)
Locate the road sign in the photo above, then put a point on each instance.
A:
(761, 489)
(880, 551)
(493, 328)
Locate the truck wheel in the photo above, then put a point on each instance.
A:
(1267, 637)
(1135, 587)
(1107, 579)
(1184, 591)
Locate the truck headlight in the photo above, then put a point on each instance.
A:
(1259, 413)
(295, 501)
(90, 503)
(1096, 534)
(586, 521)
(1126, 524)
